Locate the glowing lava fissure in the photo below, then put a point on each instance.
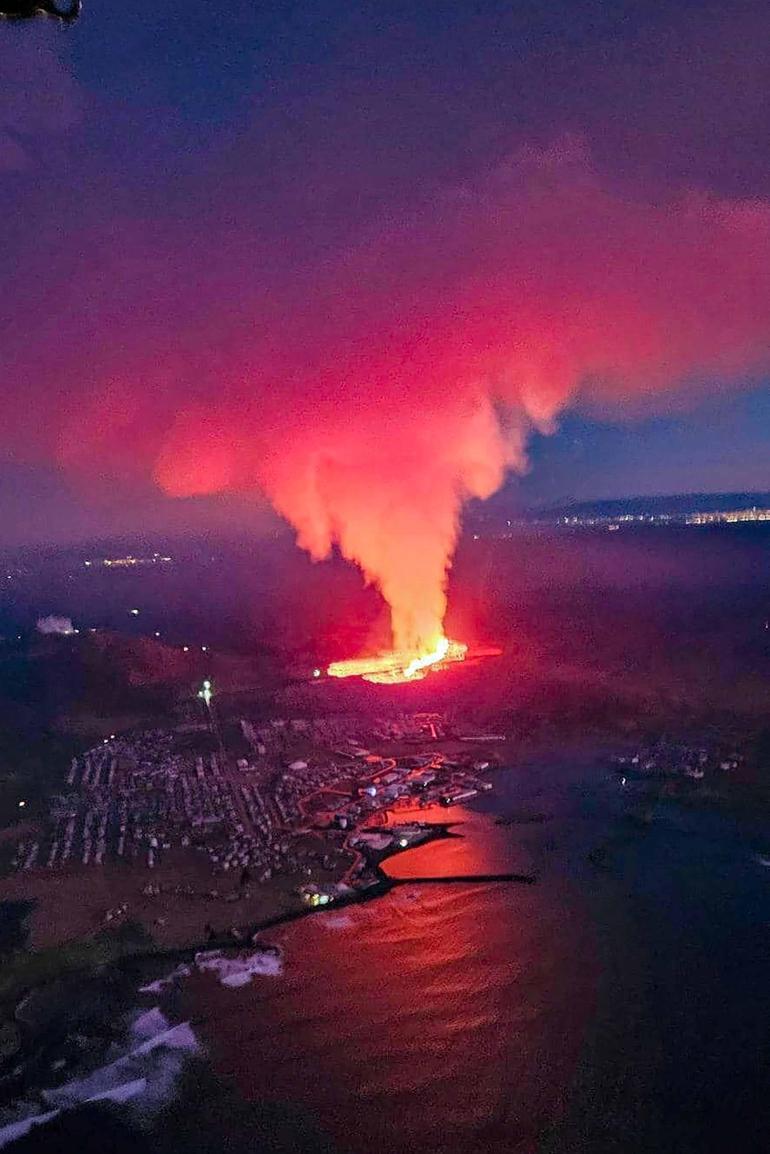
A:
(400, 666)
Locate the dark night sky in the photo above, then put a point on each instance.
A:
(170, 170)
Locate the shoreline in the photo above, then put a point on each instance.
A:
(78, 959)
(44, 1034)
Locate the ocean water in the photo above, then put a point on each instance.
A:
(617, 1010)
(140, 1078)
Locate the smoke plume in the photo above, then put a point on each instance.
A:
(54, 624)
(391, 387)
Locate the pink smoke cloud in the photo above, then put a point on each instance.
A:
(407, 379)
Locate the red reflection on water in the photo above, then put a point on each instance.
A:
(475, 846)
(438, 1018)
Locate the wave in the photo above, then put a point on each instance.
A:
(15, 1130)
(335, 921)
(142, 1078)
(149, 1024)
(239, 971)
(158, 986)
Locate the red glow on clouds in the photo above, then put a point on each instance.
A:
(406, 378)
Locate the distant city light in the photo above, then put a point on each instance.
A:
(204, 648)
(403, 842)
(132, 562)
(206, 692)
(134, 612)
(715, 517)
(157, 634)
(185, 648)
(22, 804)
(612, 522)
(316, 673)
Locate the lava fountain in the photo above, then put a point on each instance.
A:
(399, 666)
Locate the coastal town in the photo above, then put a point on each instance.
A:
(310, 805)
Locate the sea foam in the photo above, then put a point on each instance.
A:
(239, 971)
(158, 986)
(142, 1078)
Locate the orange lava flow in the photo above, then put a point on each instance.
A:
(397, 667)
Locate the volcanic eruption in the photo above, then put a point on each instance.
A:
(398, 666)
(417, 368)
(385, 487)
(369, 395)
(389, 493)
